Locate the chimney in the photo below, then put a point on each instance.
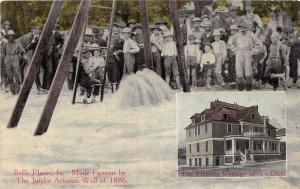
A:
(265, 120)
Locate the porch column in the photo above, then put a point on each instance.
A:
(233, 150)
(264, 146)
(278, 147)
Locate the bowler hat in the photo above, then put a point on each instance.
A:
(221, 9)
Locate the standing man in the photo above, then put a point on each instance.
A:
(13, 51)
(3, 78)
(156, 48)
(231, 55)
(207, 37)
(256, 23)
(219, 21)
(140, 58)
(197, 31)
(6, 27)
(245, 44)
(130, 48)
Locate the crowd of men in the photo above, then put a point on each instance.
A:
(220, 49)
(16, 55)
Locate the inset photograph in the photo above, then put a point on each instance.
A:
(225, 134)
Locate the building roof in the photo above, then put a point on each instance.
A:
(234, 113)
(281, 132)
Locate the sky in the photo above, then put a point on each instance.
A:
(269, 103)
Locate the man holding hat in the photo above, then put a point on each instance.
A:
(130, 48)
(12, 52)
(245, 44)
(156, 48)
(193, 57)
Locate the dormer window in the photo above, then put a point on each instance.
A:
(202, 117)
(225, 116)
(194, 120)
(252, 116)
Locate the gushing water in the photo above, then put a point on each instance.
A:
(142, 89)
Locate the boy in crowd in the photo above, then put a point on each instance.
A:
(193, 57)
(220, 51)
(207, 64)
(231, 55)
(169, 52)
(277, 61)
(130, 48)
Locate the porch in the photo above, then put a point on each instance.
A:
(248, 149)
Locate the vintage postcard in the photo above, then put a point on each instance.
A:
(149, 94)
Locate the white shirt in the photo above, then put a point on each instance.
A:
(208, 59)
(192, 50)
(96, 62)
(130, 46)
(219, 47)
(169, 49)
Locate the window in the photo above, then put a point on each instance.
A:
(228, 145)
(217, 161)
(206, 146)
(190, 148)
(237, 147)
(196, 162)
(194, 120)
(190, 161)
(206, 161)
(202, 117)
(240, 129)
(229, 128)
(252, 116)
(196, 131)
(205, 128)
(198, 147)
(255, 129)
(200, 162)
(269, 132)
(189, 132)
(225, 116)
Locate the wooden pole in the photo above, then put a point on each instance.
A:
(75, 85)
(63, 66)
(180, 49)
(146, 35)
(112, 17)
(35, 62)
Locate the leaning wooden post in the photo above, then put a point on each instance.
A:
(37, 58)
(180, 49)
(63, 66)
(112, 17)
(146, 35)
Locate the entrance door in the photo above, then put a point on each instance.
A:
(217, 161)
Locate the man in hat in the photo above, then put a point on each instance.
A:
(131, 23)
(207, 37)
(277, 61)
(295, 59)
(29, 41)
(130, 48)
(197, 31)
(220, 51)
(116, 59)
(3, 74)
(163, 25)
(256, 23)
(245, 44)
(140, 59)
(12, 52)
(99, 40)
(5, 27)
(156, 48)
(231, 55)
(219, 21)
(192, 57)
(169, 52)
